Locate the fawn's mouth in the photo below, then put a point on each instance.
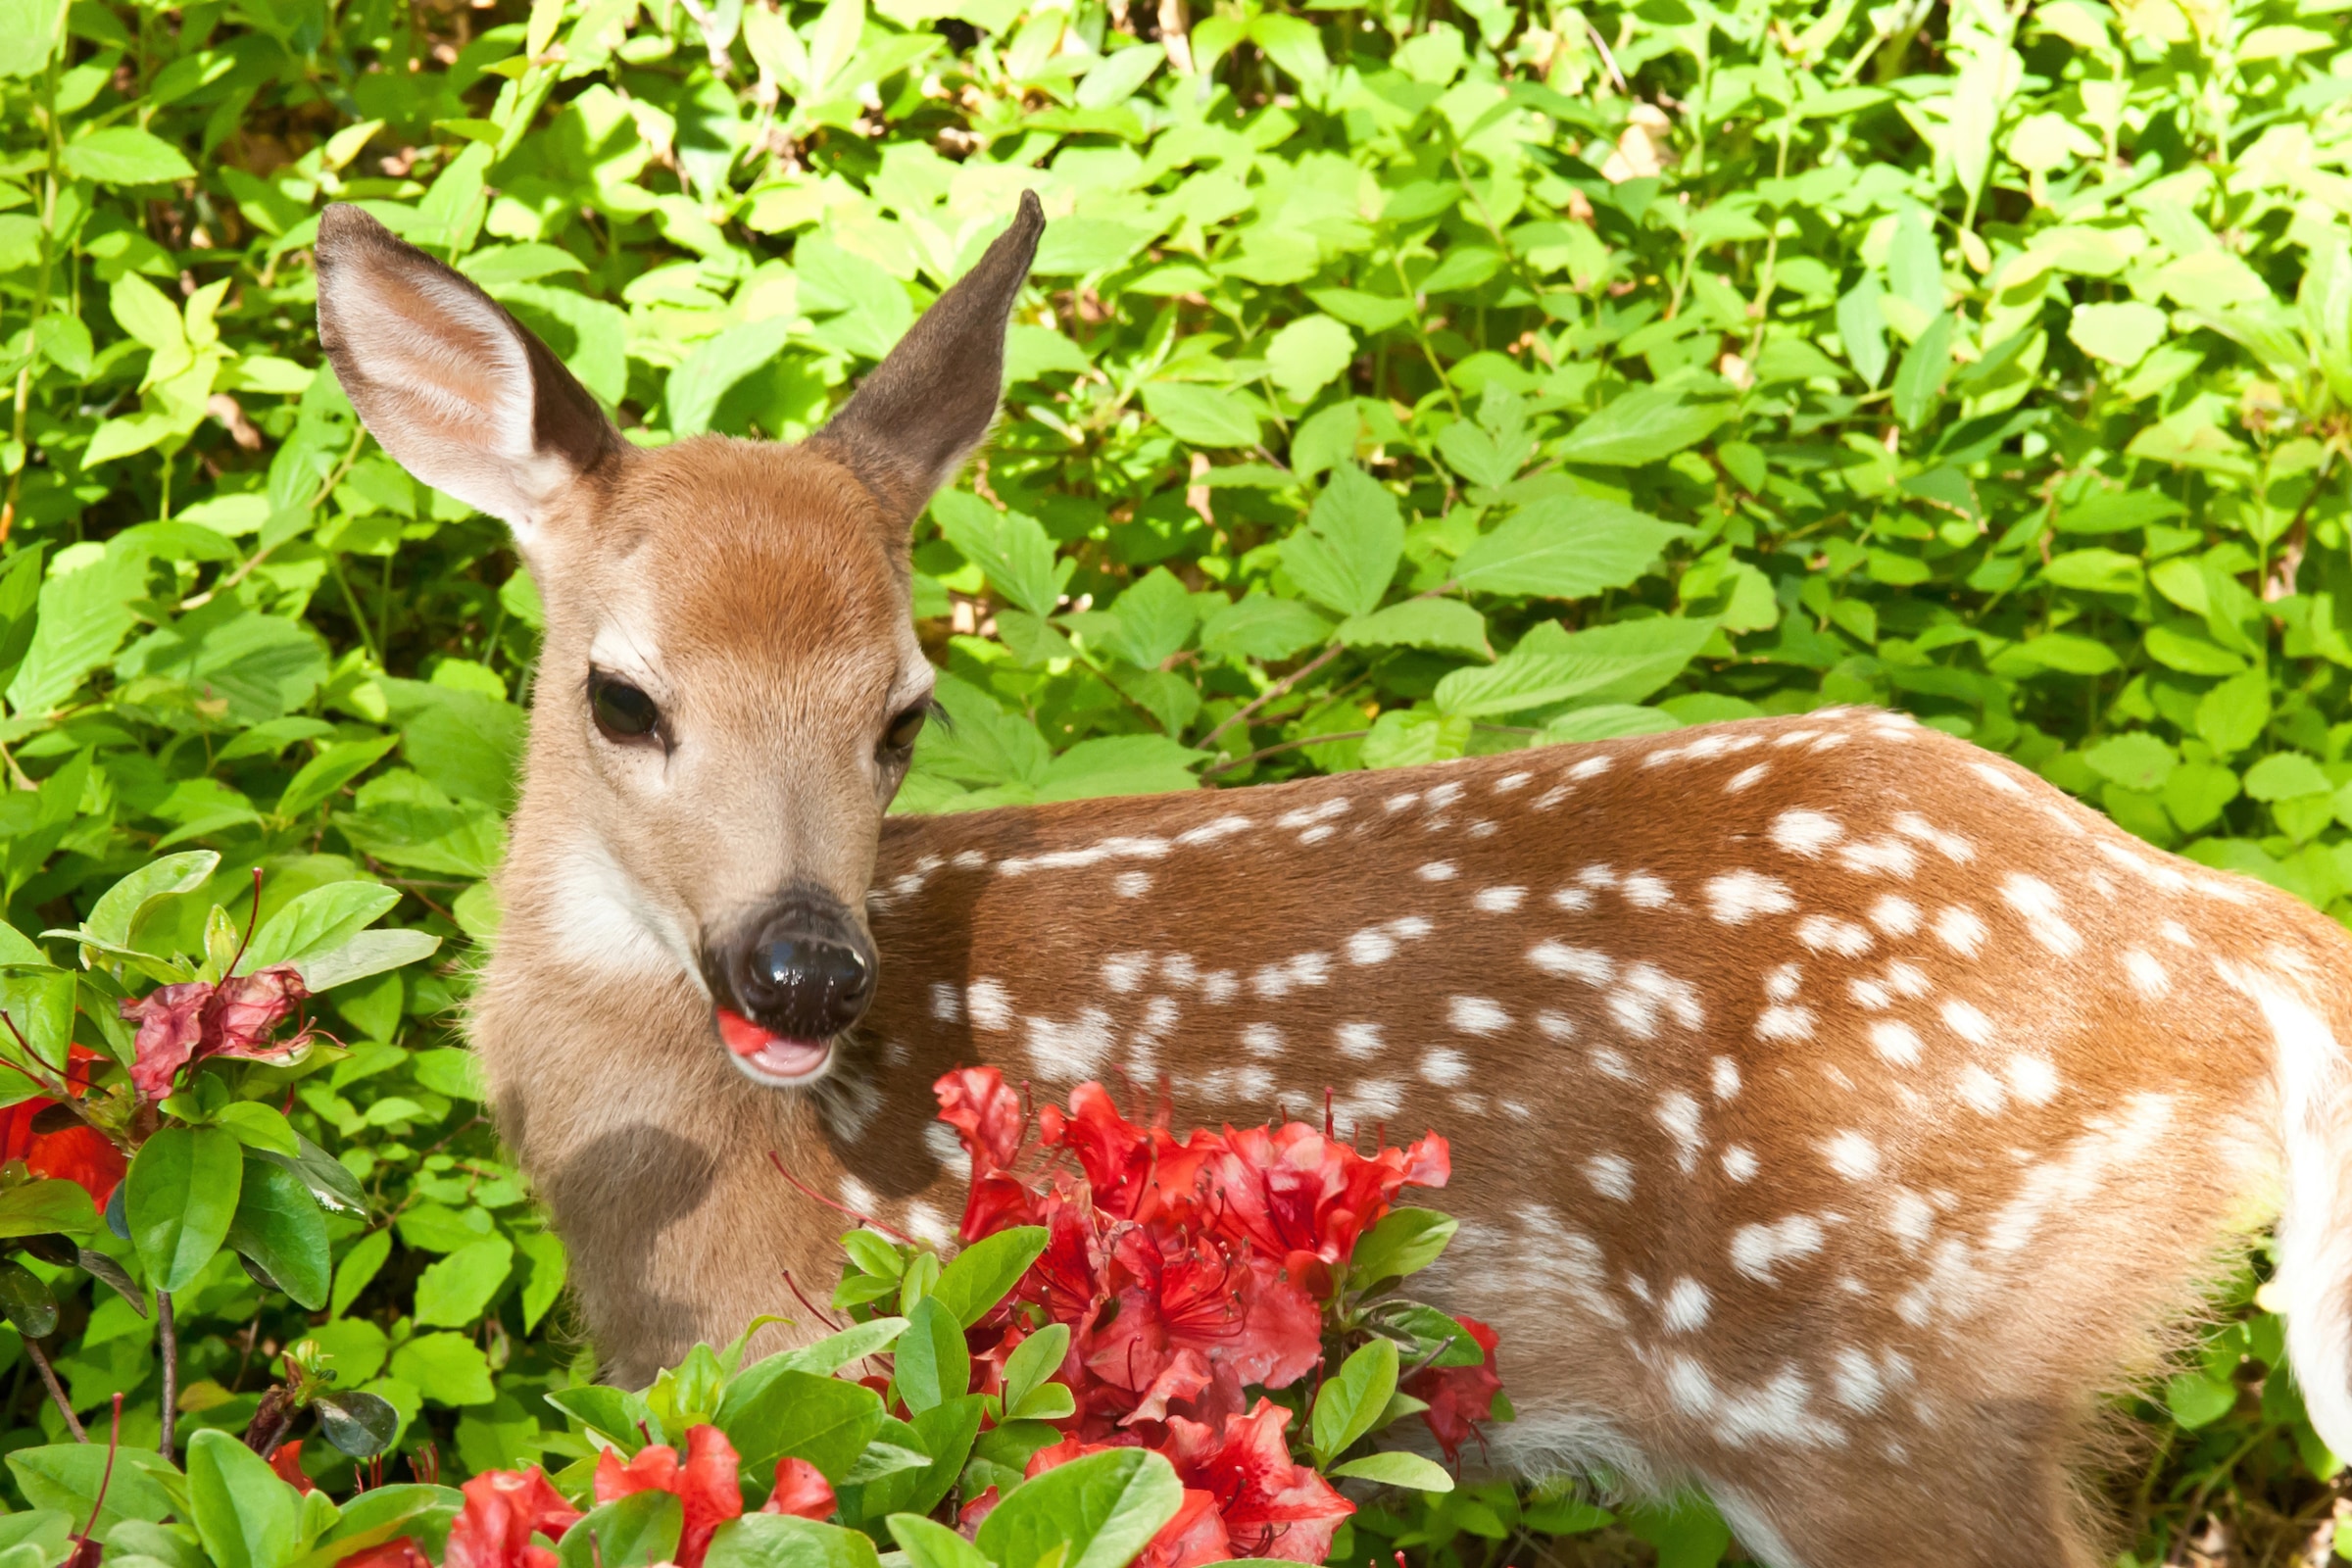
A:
(764, 1057)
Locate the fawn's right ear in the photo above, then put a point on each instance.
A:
(456, 389)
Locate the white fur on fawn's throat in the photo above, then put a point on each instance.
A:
(1839, 1112)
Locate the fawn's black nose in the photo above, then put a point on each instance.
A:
(804, 972)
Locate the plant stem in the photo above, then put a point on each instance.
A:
(57, 1392)
(167, 1334)
(1274, 691)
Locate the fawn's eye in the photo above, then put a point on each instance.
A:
(899, 736)
(622, 710)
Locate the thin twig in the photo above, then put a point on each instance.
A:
(57, 1393)
(1271, 693)
(1264, 752)
(169, 1336)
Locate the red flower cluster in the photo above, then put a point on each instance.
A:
(504, 1510)
(188, 1022)
(76, 1154)
(705, 1486)
(1187, 1272)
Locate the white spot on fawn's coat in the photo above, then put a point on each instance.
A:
(1738, 896)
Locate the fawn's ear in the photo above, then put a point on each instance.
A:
(913, 422)
(456, 389)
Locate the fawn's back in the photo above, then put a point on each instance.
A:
(1834, 1105)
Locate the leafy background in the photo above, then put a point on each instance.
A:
(1398, 380)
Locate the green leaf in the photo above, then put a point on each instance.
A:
(2234, 714)
(1643, 425)
(1203, 415)
(74, 1478)
(27, 1302)
(333, 767)
(1565, 547)
(2287, 777)
(1094, 1512)
(1445, 624)
(929, 1545)
(115, 918)
(29, 33)
(456, 1290)
(47, 1207)
(932, 1362)
(317, 921)
(1034, 1360)
(1919, 380)
(278, 1226)
(1349, 550)
(125, 155)
(181, 1198)
(1624, 662)
(781, 1540)
(820, 1419)
(1262, 627)
(716, 365)
(2120, 334)
(446, 1368)
(2197, 1401)
(980, 1275)
(245, 1515)
(1010, 547)
(1306, 356)
(1350, 1401)
(1404, 1242)
(634, 1532)
(1391, 1469)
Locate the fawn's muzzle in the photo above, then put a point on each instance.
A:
(799, 977)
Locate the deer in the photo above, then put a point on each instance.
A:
(1841, 1116)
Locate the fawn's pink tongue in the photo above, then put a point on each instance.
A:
(771, 1052)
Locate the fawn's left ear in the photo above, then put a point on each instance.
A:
(914, 421)
(461, 394)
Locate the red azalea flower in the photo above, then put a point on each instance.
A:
(800, 1489)
(1235, 1317)
(1271, 1507)
(77, 1153)
(287, 1461)
(398, 1553)
(1458, 1396)
(1289, 1190)
(1118, 1158)
(503, 1509)
(195, 1019)
(975, 1102)
(705, 1484)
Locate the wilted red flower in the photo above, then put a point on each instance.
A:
(196, 1018)
(970, 1516)
(705, 1484)
(80, 1154)
(800, 1489)
(286, 1460)
(1458, 1396)
(398, 1553)
(504, 1510)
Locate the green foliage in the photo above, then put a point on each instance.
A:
(1391, 389)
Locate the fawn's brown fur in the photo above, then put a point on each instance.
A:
(1839, 1112)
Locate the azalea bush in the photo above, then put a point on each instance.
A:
(1396, 382)
(1115, 1381)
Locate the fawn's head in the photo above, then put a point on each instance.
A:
(730, 688)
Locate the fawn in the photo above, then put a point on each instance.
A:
(1841, 1114)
